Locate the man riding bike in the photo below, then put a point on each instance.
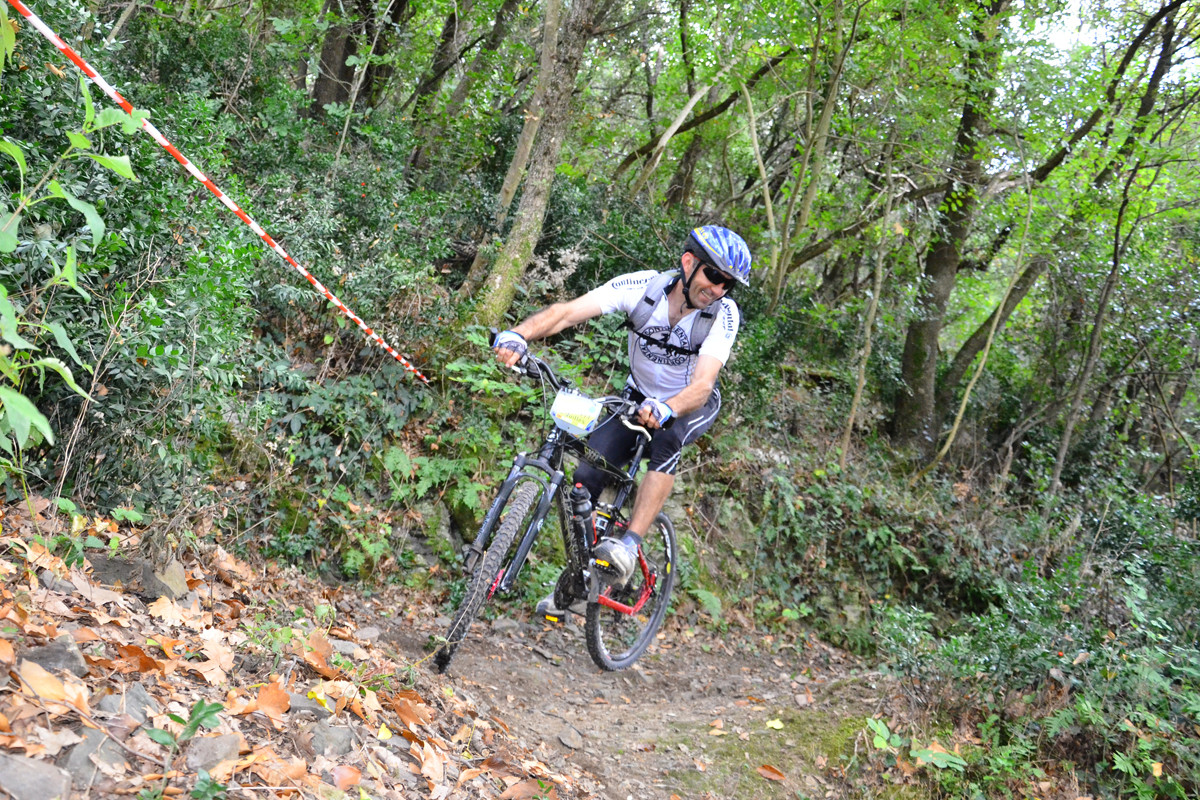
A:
(682, 329)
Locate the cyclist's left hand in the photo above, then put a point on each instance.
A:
(653, 413)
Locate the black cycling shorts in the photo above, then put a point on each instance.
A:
(616, 443)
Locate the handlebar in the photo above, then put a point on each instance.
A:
(534, 367)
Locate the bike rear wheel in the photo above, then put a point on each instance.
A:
(615, 639)
(512, 522)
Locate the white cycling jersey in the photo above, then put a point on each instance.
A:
(657, 372)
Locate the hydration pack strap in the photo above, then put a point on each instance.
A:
(659, 286)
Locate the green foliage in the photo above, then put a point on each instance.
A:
(26, 293)
(202, 715)
(207, 788)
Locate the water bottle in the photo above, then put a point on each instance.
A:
(581, 501)
(581, 513)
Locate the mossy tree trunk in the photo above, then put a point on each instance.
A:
(915, 423)
(509, 267)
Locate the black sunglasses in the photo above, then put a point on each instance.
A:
(716, 276)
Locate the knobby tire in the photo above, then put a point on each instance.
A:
(616, 640)
(513, 521)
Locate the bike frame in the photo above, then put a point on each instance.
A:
(546, 469)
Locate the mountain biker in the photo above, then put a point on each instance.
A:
(672, 377)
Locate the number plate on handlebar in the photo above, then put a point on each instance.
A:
(575, 413)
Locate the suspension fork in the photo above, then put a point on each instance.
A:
(549, 491)
(516, 474)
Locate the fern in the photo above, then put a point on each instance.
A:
(709, 602)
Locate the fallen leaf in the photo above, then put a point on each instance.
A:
(717, 732)
(55, 741)
(274, 701)
(469, 774)
(527, 789)
(412, 714)
(345, 776)
(700, 765)
(136, 659)
(433, 766)
(1156, 769)
(385, 732)
(93, 593)
(40, 682)
(7, 656)
(771, 773)
(776, 724)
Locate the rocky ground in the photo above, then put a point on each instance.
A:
(702, 715)
(211, 677)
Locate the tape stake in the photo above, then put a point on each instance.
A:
(192, 170)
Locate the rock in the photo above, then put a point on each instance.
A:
(60, 654)
(330, 741)
(55, 583)
(571, 738)
(206, 752)
(30, 779)
(169, 581)
(343, 647)
(166, 582)
(369, 633)
(134, 701)
(302, 704)
(395, 765)
(504, 625)
(108, 571)
(95, 745)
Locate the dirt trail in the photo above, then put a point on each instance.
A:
(689, 720)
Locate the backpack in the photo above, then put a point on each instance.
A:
(658, 286)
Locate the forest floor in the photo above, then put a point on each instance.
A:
(704, 714)
(119, 680)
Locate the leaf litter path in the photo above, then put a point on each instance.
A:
(702, 715)
(327, 692)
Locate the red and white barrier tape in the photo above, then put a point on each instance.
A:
(200, 176)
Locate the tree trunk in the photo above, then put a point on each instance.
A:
(813, 161)
(520, 159)
(501, 285)
(374, 87)
(915, 423)
(482, 59)
(700, 119)
(444, 57)
(334, 76)
(1072, 230)
(679, 188)
(1092, 357)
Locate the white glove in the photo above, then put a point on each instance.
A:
(511, 340)
(660, 410)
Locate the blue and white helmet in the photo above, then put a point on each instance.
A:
(724, 248)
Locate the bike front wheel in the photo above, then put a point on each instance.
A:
(616, 638)
(513, 520)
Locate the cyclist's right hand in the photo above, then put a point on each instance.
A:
(510, 347)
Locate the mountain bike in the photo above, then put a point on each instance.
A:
(621, 620)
